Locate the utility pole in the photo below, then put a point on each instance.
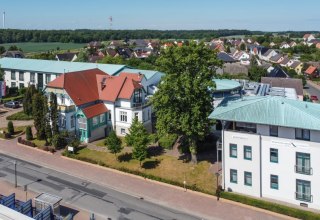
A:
(15, 174)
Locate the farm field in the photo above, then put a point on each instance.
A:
(33, 47)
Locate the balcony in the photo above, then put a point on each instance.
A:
(140, 105)
(303, 197)
(303, 170)
(66, 109)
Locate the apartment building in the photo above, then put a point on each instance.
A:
(271, 148)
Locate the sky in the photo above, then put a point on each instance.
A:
(262, 15)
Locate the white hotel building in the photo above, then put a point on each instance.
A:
(271, 148)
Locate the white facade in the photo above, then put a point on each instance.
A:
(261, 165)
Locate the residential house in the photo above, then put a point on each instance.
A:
(312, 72)
(276, 58)
(103, 103)
(111, 52)
(278, 73)
(286, 62)
(167, 44)
(225, 88)
(126, 53)
(94, 44)
(267, 55)
(241, 55)
(67, 56)
(138, 43)
(308, 37)
(318, 45)
(233, 68)
(284, 45)
(293, 44)
(226, 58)
(116, 43)
(272, 44)
(270, 148)
(13, 54)
(285, 83)
(297, 66)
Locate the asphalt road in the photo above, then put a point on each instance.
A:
(312, 90)
(105, 203)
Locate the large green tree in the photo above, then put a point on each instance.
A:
(54, 113)
(139, 139)
(184, 101)
(39, 111)
(27, 99)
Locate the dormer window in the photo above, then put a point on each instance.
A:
(137, 97)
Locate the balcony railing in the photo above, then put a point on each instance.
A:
(304, 197)
(64, 108)
(303, 170)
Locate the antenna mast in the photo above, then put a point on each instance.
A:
(4, 20)
(110, 22)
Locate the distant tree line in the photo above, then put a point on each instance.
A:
(85, 36)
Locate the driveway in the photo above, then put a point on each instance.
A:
(10, 111)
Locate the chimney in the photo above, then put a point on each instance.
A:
(103, 83)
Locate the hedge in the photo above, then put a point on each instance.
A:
(19, 116)
(167, 141)
(273, 207)
(15, 98)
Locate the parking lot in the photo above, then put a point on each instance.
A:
(4, 112)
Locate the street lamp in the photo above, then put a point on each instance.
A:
(15, 173)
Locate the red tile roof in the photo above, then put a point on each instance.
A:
(311, 70)
(92, 85)
(95, 110)
(81, 86)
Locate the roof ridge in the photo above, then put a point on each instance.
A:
(125, 79)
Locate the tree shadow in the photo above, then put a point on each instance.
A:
(154, 151)
(126, 157)
(151, 164)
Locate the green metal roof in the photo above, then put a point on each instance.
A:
(59, 67)
(147, 73)
(269, 110)
(226, 84)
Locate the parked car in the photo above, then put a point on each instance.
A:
(12, 104)
(314, 98)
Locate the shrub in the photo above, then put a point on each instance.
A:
(29, 135)
(167, 141)
(7, 135)
(10, 128)
(58, 141)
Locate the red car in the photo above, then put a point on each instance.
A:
(314, 98)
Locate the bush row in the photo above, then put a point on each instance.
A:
(278, 208)
(16, 98)
(19, 116)
(31, 144)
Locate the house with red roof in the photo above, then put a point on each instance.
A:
(92, 103)
(308, 37)
(312, 72)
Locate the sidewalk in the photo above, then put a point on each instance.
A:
(8, 188)
(159, 193)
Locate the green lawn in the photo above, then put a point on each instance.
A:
(30, 47)
(162, 167)
(17, 130)
(19, 116)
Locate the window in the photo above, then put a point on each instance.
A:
(82, 123)
(233, 150)
(123, 116)
(32, 77)
(247, 127)
(62, 99)
(21, 85)
(13, 84)
(62, 121)
(13, 75)
(248, 178)
(303, 190)
(273, 155)
(94, 121)
(137, 97)
(247, 153)
(274, 182)
(123, 131)
(48, 78)
(233, 176)
(72, 121)
(109, 116)
(136, 115)
(303, 165)
(273, 131)
(102, 118)
(302, 134)
(21, 76)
